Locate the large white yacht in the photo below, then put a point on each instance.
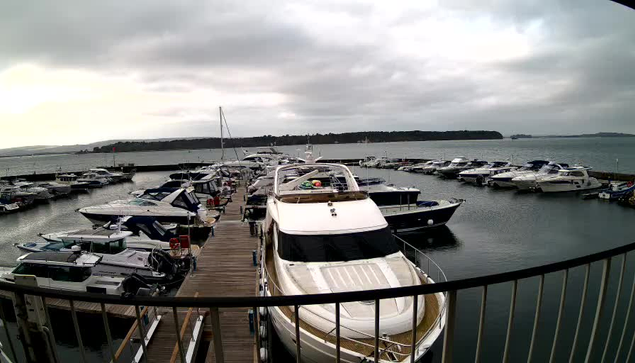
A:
(504, 180)
(569, 180)
(528, 181)
(165, 204)
(324, 235)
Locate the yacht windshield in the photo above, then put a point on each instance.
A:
(142, 202)
(337, 247)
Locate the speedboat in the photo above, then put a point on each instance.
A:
(432, 166)
(386, 194)
(57, 190)
(616, 190)
(8, 207)
(41, 194)
(325, 239)
(114, 177)
(10, 194)
(504, 180)
(94, 180)
(568, 180)
(71, 180)
(480, 175)
(367, 162)
(458, 165)
(71, 271)
(420, 215)
(165, 204)
(528, 181)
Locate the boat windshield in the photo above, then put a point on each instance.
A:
(336, 247)
(549, 169)
(142, 202)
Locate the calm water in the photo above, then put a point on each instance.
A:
(599, 153)
(494, 231)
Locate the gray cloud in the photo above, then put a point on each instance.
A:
(343, 68)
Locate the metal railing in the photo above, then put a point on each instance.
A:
(604, 342)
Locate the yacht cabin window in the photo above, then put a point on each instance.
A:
(336, 247)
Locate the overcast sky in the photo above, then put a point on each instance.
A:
(83, 71)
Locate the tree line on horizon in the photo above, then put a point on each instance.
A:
(269, 140)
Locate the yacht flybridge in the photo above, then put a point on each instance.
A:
(325, 235)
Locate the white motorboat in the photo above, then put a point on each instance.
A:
(458, 165)
(41, 194)
(387, 194)
(480, 175)
(57, 190)
(431, 166)
(321, 239)
(528, 181)
(94, 180)
(165, 204)
(568, 180)
(114, 177)
(504, 180)
(66, 271)
(71, 180)
(8, 207)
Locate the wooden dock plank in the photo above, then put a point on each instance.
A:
(224, 268)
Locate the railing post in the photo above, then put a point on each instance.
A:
(142, 333)
(541, 287)
(337, 332)
(413, 345)
(617, 301)
(606, 271)
(376, 330)
(448, 338)
(77, 331)
(104, 316)
(585, 289)
(216, 332)
(563, 296)
(298, 348)
(481, 325)
(8, 334)
(626, 319)
(510, 322)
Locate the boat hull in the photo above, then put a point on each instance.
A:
(551, 187)
(98, 218)
(418, 218)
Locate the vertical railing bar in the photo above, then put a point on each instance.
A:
(217, 337)
(413, 344)
(617, 302)
(337, 332)
(6, 331)
(80, 343)
(50, 328)
(179, 341)
(563, 296)
(142, 332)
(298, 348)
(448, 338)
(256, 325)
(481, 325)
(606, 271)
(630, 350)
(510, 322)
(541, 288)
(104, 316)
(585, 290)
(628, 314)
(377, 330)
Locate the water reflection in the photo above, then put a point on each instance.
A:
(438, 239)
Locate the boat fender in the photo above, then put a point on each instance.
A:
(430, 222)
(264, 355)
(263, 312)
(263, 332)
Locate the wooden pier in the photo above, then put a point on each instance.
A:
(224, 268)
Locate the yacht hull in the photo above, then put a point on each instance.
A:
(99, 218)
(401, 219)
(560, 187)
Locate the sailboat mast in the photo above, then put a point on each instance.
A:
(222, 146)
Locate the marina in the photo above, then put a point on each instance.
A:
(227, 262)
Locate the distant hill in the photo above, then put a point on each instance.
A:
(266, 140)
(597, 134)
